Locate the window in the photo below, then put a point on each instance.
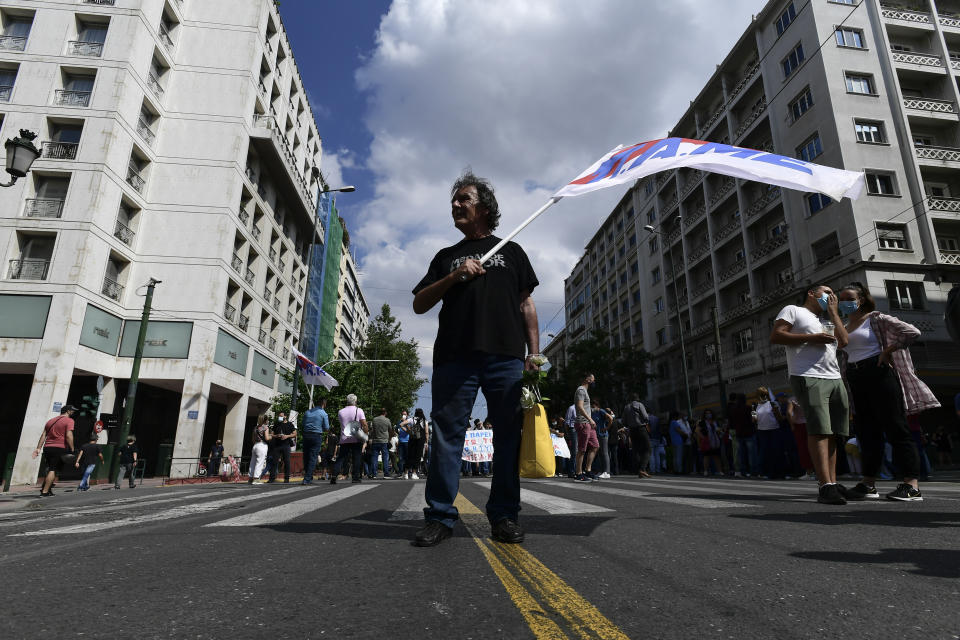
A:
(629, 213)
(892, 237)
(632, 240)
(710, 353)
(880, 184)
(869, 131)
(811, 148)
(623, 278)
(948, 244)
(658, 305)
(636, 297)
(784, 276)
(625, 306)
(621, 251)
(792, 61)
(903, 48)
(634, 268)
(857, 83)
(826, 249)
(8, 76)
(648, 187)
(655, 275)
(849, 38)
(905, 295)
(922, 141)
(850, 2)
(653, 245)
(789, 15)
(651, 216)
(817, 201)
(661, 337)
(16, 30)
(801, 104)
(739, 255)
(743, 340)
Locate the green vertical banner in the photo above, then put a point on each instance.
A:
(331, 285)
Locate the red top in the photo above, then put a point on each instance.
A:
(56, 430)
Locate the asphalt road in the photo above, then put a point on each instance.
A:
(623, 558)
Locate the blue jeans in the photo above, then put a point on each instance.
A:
(381, 449)
(402, 456)
(454, 389)
(85, 480)
(572, 460)
(312, 442)
(747, 453)
(658, 462)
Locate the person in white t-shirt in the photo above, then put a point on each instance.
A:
(815, 379)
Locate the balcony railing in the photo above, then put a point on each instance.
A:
(696, 214)
(923, 59)
(673, 235)
(276, 304)
(733, 270)
(763, 202)
(949, 20)
(267, 294)
(66, 98)
(146, 132)
(255, 231)
(243, 215)
(722, 191)
(229, 311)
(237, 263)
(108, 3)
(135, 180)
(938, 153)
(757, 112)
(80, 48)
(712, 119)
(44, 208)
(281, 265)
(671, 202)
(736, 312)
(13, 43)
(243, 322)
(29, 269)
(262, 337)
(748, 75)
(112, 289)
(929, 104)
(950, 257)
(941, 203)
(59, 150)
(273, 254)
(5, 91)
(693, 179)
(781, 291)
(264, 121)
(249, 276)
(300, 290)
(289, 317)
(153, 81)
(701, 329)
(727, 230)
(701, 288)
(272, 343)
(769, 246)
(897, 13)
(292, 167)
(123, 233)
(164, 34)
(697, 252)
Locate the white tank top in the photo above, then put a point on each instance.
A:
(862, 343)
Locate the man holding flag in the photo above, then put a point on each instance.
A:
(488, 322)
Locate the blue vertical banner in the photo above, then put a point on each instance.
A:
(314, 293)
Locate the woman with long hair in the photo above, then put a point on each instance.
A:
(884, 389)
(258, 455)
(418, 434)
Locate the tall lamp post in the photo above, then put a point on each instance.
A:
(21, 155)
(676, 297)
(323, 269)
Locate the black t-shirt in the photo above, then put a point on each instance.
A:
(91, 454)
(286, 428)
(126, 453)
(484, 313)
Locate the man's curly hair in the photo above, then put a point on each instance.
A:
(485, 192)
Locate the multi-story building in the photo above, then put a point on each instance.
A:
(880, 95)
(353, 315)
(178, 144)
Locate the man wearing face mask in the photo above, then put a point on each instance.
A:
(811, 349)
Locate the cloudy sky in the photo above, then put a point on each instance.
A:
(527, 93)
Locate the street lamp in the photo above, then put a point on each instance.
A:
(676, 296)
(20, 156)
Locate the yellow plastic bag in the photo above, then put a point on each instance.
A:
(536, 446)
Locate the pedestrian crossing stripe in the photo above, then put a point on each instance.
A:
(286, 512)
(554, 505)
(633, 493)
(412, 506)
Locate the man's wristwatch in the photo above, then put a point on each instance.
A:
(463, 277)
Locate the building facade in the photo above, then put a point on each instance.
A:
(880, 95)
(178, 144)
(352, 313)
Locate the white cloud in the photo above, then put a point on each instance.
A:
(528, 94)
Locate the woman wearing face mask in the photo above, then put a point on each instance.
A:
(877, 366)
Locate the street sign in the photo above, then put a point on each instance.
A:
(193, 415)
(57, 406)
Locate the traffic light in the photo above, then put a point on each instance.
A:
(88, 405)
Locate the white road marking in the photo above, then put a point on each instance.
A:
(554, 505)
(699, 503)
(717, 488)
(168, 514)
(412, 506)
(287, 512)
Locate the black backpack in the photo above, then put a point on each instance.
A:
(416, 429)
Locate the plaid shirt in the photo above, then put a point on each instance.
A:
(890, 330)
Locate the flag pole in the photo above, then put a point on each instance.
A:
(554, 200)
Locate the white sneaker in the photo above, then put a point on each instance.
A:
(414, 476)
(605, 475)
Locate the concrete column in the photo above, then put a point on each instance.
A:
(51, 380)
(234, 430)
(193, 412)
(108, 401)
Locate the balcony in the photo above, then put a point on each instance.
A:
(87, 49)
(701, 329)
(733, 270)
(153, 81)
(711, 120)
(896, 13)
(13, 43)
(722, 191)
(696, 214)
(753, 117)
(701, 289)
(941, 203)
(748, 76)
(273, 254)
(696, 253)
(59, 150)
(950, 257)
(44, 208)
(262, 337)
(112, 289)
(243, 322)
(673, 235)
(949, 20)
(273, 149)
(738, 311)
(693, 179)
(949, 154)
(249, 276)
(267, 294)
(244, 216)
(276, 304)
(780, 292)
(286, 353)
(769, 246)
(727, 230)
(146, 132)
(281, 265)
(262, 121)
(272, 343)
(164, 34)
(922, 59)
(135, 180)
(123, 233)
(760, 204)
(229, 311)
(66, 98)
(289, 317)
(671, 202)
(237, 263)
(29, 269)
(300, 290)
(929, 104)
(255, 231)
(5, 92)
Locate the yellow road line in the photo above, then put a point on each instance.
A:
(582, 617)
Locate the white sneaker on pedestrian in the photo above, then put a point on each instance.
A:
(414, 476)
(605, 475)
